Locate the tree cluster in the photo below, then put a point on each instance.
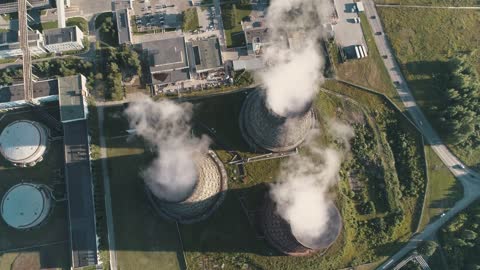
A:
(62, 67)
(9, 75)
(461, 242)
(461, 114)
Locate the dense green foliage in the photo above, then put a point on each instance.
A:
(407, 161)
(461, 115)
(62, 67)
(460, 240)
(9, 75)
(427, 248)
(107, 28)
(243, 78)
(190, 20)
(117, 64)
(80, 22)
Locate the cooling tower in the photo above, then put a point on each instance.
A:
(24, 143)
(279, 234)
(25, 205)
(263, 129)
(207, 195)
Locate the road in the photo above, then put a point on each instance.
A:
(107, 195)
(435, 7)
(218, 16)
(469, 179)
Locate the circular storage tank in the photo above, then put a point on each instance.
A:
(264, 129)
(25, 205)
(279, 233)
(207, 195)
(24, 142)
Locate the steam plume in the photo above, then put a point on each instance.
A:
(165, 125)
(301, 194)
(294, 71)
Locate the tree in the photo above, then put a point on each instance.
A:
(427, 248)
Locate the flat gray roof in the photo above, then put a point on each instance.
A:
(40, 89)
(167, 77)
(205, 54)
(123, 27)
(60, 35)
(71, 98)
(166, 54)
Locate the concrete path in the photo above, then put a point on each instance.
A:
(469, 178)
(107, 195)
(432, 7)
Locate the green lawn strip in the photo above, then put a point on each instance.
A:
(235, 36)
(424, 40)
(443, 189)
(370, 71)
(143, 240)
(190, 20)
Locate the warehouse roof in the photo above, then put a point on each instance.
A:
(166, 54)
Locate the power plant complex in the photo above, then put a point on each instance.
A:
(206, 196)
(264, 130)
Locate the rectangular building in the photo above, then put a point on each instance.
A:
(168, 60)
(10, 47)
(204, 55)
(81, 210)
(63, 39)
(13, 96)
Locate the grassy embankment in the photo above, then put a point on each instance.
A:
(424, 40)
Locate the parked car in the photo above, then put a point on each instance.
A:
(373, 17)
(378, 33)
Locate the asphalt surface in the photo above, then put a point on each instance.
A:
(469, 179)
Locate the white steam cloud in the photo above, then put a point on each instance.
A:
(294, 69)
(302, 192)
(165, 125)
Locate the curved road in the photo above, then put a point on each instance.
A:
(469, 179)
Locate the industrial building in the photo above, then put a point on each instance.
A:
(10, 46)
(122, 14)
(279, 234)
(168, 60)
(204, 55)
(263, 129)
(26, 205)
(24, 143)
(13, 96)
(206, 196)
(73, 113)
(9, 6)
(256, 34)
(63, 39)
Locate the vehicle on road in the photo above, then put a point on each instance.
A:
(385, 56)
(373, 17)
(378, 33)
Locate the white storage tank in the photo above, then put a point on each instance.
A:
(26, 205)
(24, 142)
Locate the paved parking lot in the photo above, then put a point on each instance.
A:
(347, 31)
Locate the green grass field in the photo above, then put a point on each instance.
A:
(370, 71)
(55, 228)
(424, 40)
(235, 37)
(190, 20)
(443, 189)
(230, 236)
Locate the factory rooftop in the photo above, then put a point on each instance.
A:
(71, 96)
(41, 89)
(166, 54)
(204, 54)
(60, 35)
